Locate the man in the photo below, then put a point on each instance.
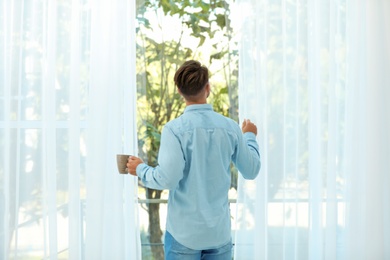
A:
(194, 160)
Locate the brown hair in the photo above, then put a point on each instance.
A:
(191, 78)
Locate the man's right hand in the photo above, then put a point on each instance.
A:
(132, 164)
(248, 126)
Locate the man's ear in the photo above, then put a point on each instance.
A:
(208, 89)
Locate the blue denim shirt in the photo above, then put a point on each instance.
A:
(194, 159)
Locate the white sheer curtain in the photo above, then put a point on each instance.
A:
(67, 107)
(315, 77)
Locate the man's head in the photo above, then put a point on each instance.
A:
(192, 79)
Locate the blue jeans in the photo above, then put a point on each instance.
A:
(176, 251)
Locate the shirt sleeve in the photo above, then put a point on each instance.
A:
(247, 156)
(169, 171)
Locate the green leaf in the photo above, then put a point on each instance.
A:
(224, 90)
(202, 40)
(221, 20)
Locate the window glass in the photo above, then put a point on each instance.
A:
(169, 33)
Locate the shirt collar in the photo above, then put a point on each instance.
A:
(198, 107)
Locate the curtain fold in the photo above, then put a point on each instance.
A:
(368, 154)
(314, 77)
(67, 107)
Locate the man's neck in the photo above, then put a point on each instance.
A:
(189, 103)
